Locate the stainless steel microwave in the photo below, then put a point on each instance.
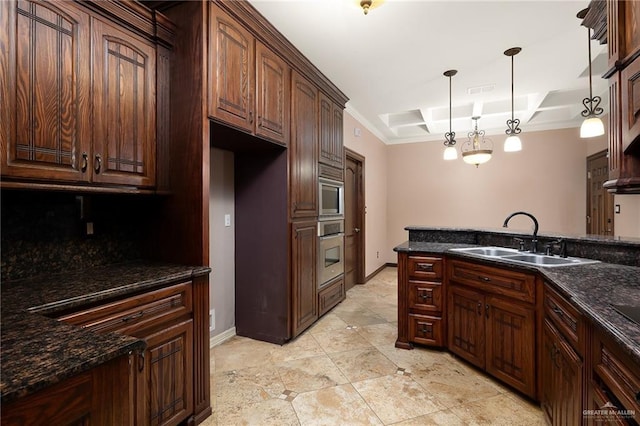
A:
(331, 199)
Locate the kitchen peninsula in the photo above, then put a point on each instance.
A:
(551, 332)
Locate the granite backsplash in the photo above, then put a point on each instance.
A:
(45, 232)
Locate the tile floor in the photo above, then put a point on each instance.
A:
(345, 370)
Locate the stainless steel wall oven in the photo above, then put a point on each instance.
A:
(331, 253)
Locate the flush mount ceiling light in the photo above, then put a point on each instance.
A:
(367, 5)
(513, 142)
(450, 152)
(478, 149)
(592, 125)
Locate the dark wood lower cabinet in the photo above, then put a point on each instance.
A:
(101, 396)
(304, 281)
(466, 336)
(163, 374)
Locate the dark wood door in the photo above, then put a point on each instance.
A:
(303, 148)
(510, 343)
(466, 325)
(124, 107)
(165, 381)
(45, 65)
(353, 220)
(273, 98)
(231, 70)
(304, 285)
(599, 200)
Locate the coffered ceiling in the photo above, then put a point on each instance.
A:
(390, 63)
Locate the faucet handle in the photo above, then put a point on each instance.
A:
(520, 242)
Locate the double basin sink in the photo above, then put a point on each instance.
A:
(525, 258)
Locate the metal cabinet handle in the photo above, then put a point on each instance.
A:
(85, 162)
(557, 311)
(141, 361)
(485, 279)
(356, 230)
(425, 267)
(97, 163)
(486, 310)
(133, 316)
(479, 308)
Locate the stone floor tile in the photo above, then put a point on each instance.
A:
(309, 374)
(361, 364)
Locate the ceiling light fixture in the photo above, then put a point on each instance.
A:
(367, 5)
(478, 149)
(592, 125)
(450, 152)
(513, 142)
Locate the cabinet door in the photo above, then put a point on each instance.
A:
(273, 98)
(231, 70)
(549, 377)
(304, 259)
(631, 103)
(466, 334)
(331, 133)
(303, 150)
(165, 384)
(124, 107)
(44, 84)
(510, 343)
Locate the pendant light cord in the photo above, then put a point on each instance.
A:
(449, 104)
(589, 45)
(512, 88)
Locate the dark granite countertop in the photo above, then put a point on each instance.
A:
(591, 288)
(37, 351)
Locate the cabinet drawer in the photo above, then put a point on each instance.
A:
(330, 295)
(425, 267)
(619, 374)
(425, 295)
(564, 317)
(513, 284)
(425, 330)
(136, 313)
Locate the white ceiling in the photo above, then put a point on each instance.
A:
(390, 63)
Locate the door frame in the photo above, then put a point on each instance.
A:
(360, 202)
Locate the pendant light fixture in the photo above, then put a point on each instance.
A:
(513, 142)
(367, 5)
(450, 152)
(592, 125)
(478, 149)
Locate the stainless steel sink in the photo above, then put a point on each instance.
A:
(534, 259)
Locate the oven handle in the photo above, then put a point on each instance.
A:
(326, 237)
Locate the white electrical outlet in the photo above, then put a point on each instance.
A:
(212, 319)
(227, 220)
(89, 228)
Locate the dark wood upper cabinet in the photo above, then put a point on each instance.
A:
(231, 70)
(124, 107)
(331, 133)
(249, 83)
(303, 149)
(45, 63)
(272, 95)
(81, 92)
(615, 22)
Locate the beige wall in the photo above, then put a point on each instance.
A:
(222, 240)
(627, 222)
(547, 179)
(375, 169)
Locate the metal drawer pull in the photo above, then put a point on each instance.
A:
(426, 296)
(85, 162)
(133, 316)
(425, 266)
(485, 279)
(557, 311)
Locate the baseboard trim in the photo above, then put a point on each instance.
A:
(222, 337)
(377, 271)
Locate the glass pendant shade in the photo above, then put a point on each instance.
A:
(512, 144)
(477, 157)
(591, 127)
(450, 153)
